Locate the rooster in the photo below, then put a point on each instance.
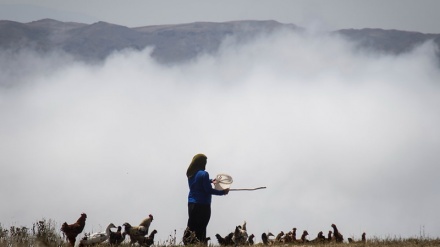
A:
(146, 223)
(73, 230)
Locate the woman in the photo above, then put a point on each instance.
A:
(199, 197)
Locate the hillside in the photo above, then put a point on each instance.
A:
(174, 43)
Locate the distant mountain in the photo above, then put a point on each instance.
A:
(389, 41)
(174, 43)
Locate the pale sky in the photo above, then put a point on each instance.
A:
(408, 15)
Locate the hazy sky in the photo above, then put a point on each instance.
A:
(337, 136)
(406, 15)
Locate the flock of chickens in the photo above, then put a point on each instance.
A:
(137, 234)
(241, 237)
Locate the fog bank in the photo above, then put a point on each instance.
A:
(336, 134)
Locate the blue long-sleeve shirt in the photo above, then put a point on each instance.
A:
(200, 189)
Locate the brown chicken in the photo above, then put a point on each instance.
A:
(73, 230)
(329, 236)
(303, 237)
(137, 233)
(337, 235)
(319, 238)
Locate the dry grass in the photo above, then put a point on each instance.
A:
(46, 233)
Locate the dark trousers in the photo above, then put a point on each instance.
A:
(198, 219)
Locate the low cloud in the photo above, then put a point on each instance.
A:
(336, 134)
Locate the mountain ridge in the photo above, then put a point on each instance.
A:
(176, 43)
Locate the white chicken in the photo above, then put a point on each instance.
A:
(96, 238)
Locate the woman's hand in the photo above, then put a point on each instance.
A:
(226, 191)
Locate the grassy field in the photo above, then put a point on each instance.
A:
(46, 233)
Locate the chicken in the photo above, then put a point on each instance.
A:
(148, 241)
(189, 237)
(319, 238)
(73, 230)
(250, 240)
(303, 237)
(97, 237)
(240, 234)
(226, 241)
(92, 239)
(137, 233)
(220, 240)
(290, 236)
(363, 240)
(146, 223)
(337, 235)
(279, 236)
(287, 238)
(294, 234)
(265, 238)
(329, 236)
(116, 238)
